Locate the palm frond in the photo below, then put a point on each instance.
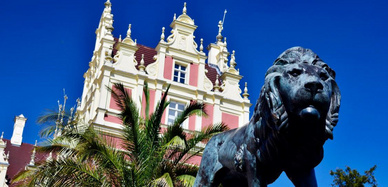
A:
(165, 181)
(154, 122)
(194, 108)
(186, 180)
(197, 137)
(146, 92)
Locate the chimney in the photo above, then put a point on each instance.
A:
(18, 128)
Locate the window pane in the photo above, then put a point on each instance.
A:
(182, 81)
(176, 73)
(170, 121)
(180, 107)
(176, 66)
(183, 68)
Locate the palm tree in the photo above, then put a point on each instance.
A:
(149, 157)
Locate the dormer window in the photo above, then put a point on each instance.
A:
(179, 73)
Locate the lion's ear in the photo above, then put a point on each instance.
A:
(332, 116)
(272, 96)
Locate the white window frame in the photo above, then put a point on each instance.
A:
(178, 69)
(174, 110)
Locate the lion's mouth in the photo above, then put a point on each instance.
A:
(310, 113)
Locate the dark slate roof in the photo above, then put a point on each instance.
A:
(19, 157)
(212, 74)
(148, 52)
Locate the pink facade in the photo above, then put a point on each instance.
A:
(113, 119)
(196, 160)
(168, 68)
(192, 123)
(193, 81)
(206, 121)
(230, 120)
(112, 103)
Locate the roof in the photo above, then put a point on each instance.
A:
(148, 52)
(19, 157)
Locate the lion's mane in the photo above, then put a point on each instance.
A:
(270, 115)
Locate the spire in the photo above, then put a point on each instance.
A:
(107, 18)
(201, 46)
(141, 66)
(184, 11)
(245, 94)
(129, 31)
(217, 85)
(221, 27)
(232, 68)
(128, 39)
(61, 114)
(162, 35)
(108, 4)
(32, 161)
(233, 60)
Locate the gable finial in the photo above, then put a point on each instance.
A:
(221, 27)
(184, 8)
(108, 5)
(245, 94)
(129, 31)
(201, 46)
(162, 35)
(233, 60)
(217, 85)
(141, 66)
(223, 19)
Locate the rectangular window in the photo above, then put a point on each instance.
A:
(174, 110)
(179, 73)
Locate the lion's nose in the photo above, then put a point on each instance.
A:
(313, 87)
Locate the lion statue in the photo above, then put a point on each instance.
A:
(295, 114)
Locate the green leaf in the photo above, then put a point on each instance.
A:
(186, 180)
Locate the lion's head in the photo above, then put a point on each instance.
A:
(298, 104)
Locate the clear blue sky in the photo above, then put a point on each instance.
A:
(46, 45)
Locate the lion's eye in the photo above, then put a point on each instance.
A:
(295, 72)
(324, 76)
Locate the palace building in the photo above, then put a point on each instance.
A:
(177, 60)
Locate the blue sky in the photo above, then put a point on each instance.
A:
(46, 45)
